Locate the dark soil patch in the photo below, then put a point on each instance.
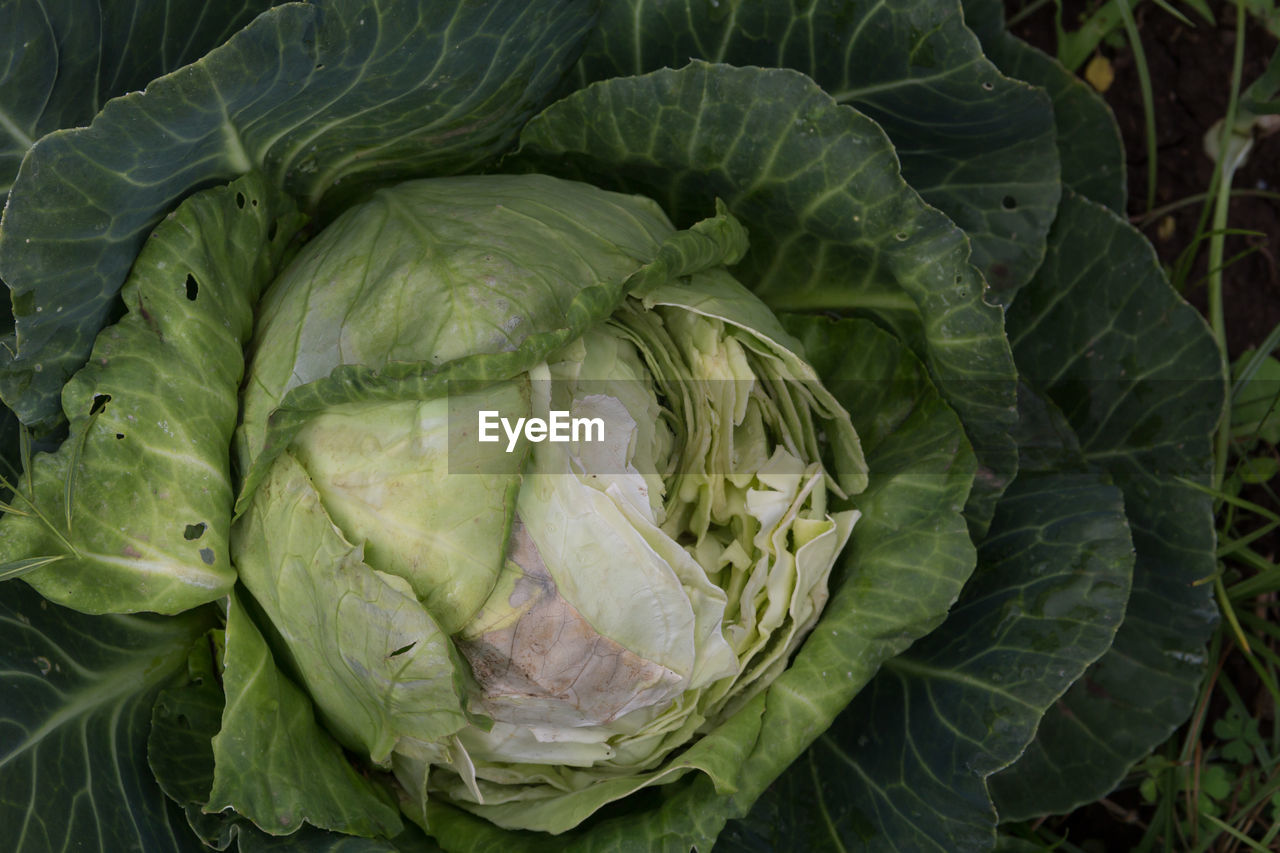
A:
(1191, 78)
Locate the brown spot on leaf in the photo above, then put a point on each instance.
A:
(551, 661)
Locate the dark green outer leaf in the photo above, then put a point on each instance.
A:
(1046, 442)
(1088, 138)
(975, 144)
(61, 60)
(1009, 844)
(10, 454)
(77, 694)
(905, 767)
(28, 67)
(326, 99)
(1136, 373)
(832, 224)
(184, 720)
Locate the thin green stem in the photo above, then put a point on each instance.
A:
(1268, 346)
(1224, 497)
(1026, 12)
(1254, 560)
(1182, 267)
(1225, 173)
(1148, 95)
(1152, 216)
(1233, 832)
(1242, 542)
(1196, 724)
(1224, 604)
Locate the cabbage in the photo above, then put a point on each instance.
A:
(885, 513)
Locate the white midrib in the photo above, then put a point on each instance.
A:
(164, 568)
(111, 685)
(10, 127)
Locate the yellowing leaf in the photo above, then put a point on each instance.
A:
(1099, 73)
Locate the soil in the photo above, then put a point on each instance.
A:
(1190, 69)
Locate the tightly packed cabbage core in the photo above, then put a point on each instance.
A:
(530, 634)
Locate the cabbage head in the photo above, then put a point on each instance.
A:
(532, 631)
(885, 522)
(527, 628)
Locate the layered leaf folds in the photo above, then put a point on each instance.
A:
(833, 226)
(975, 144)
(65, 59)
(886, 171)
(905, 767)
(326, 99)
(908, 557)
(133, 511)
(1136, 373)
(1090, 150)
